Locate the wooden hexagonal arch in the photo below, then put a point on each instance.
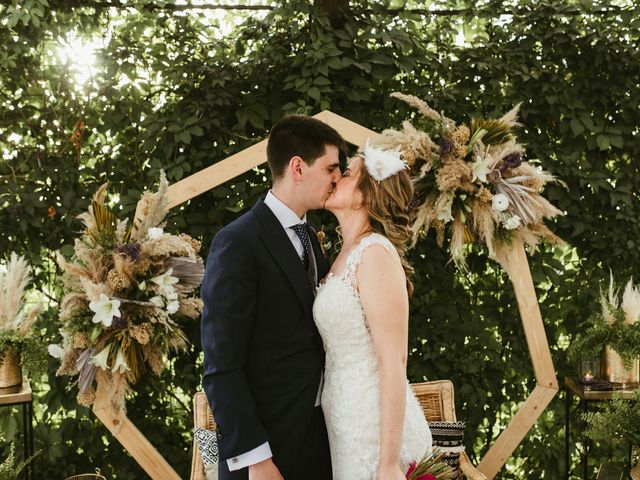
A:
(515, 264)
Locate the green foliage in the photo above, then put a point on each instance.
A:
(172, 91)
(9, 469)
(619, 420)
(30, 349)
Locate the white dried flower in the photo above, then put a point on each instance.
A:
(100, 360)
(443, 206)
(155, 233)
(166, 282)
(121, 364)
(157, 301)
(480, 169)
(512, 222)
(56, 351)
(631, 303)
(500, 202)
(173, 307)
(105, 309)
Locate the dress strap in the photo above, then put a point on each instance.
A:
(355, 256)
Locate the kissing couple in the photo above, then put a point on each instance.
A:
(305, 361)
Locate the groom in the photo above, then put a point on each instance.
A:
(263, 356)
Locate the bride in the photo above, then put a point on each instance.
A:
(375, 424)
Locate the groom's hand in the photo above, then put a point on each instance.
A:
(265, 470)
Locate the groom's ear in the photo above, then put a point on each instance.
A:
(296, 167)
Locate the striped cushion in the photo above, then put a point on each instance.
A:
(448, 437)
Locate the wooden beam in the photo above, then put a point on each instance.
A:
(251, 157)
(131, 438)
(352, 132)
(217, 174)
(517, 266)
(517, 429)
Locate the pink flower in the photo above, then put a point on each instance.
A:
(412, 467)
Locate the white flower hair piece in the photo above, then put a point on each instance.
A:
(382, 164)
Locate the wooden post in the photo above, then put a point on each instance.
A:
(517, 267)
(131, 438)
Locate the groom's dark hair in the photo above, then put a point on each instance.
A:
(305, 137)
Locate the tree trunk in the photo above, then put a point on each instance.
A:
(335, 10)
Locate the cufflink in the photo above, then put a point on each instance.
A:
(234, 460)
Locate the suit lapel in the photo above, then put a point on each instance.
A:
(279, 245)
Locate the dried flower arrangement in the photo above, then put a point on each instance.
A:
(125, 291)
(472, 182)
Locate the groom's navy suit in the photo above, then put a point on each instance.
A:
(263, 356)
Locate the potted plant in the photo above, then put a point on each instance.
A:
(19, 345)
(619, 420)
(614, 335)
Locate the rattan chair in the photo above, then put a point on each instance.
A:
(436, 400)
(203, 418)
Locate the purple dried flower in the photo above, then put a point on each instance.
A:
(512, 160)
(415, 203)
(131, 250)
(446, 147)
(118, 323)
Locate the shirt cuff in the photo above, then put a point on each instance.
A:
(251, 457)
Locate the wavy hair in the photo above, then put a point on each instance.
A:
(388, 206)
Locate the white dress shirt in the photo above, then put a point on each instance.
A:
(287, 218)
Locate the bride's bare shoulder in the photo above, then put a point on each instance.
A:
(380, 260)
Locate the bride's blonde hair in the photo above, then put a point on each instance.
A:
(388, 206)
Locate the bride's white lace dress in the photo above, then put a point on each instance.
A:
(350, 397)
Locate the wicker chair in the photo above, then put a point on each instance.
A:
(203, 418)
(436, 400)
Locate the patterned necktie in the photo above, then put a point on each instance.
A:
(303, 235)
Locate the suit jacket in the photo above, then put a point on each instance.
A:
(263, 356)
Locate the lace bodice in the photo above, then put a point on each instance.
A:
(343, 290)
(350, 398)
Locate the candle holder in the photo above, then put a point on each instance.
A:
(589, 370)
